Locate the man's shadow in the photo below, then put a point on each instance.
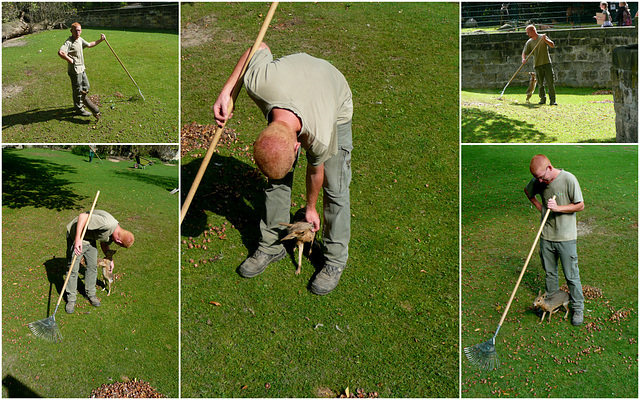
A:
(230, 188)
(40, 115)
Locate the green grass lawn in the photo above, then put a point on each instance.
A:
(580, 117)
(391, 326)
(37, 103)
(134, 334)
(556, 359)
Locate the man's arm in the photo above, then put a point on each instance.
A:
(567, 209)
(220, 108)
(97, 42)
(82, 221)
(548, 41)
(533, 200)
(315, 178)
(63, 54)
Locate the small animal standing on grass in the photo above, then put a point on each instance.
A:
(532, 85)
(302, 233)
(551, 303)
(105, 263)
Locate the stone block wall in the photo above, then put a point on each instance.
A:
(624, 74)
(140, 16)
(581, 58)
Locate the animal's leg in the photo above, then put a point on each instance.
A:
(109, 284)
(300, 248)
(542, 319)
(566, 308)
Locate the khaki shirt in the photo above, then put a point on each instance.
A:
(101, 227)
(560, 227)
(74, 50)
(541, 55)
(311, 88)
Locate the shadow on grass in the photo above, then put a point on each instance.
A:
(40, 115)
(33, 182)
(15, 388)
(480, 126)
(142, 175)
(230, 188)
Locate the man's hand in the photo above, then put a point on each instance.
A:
(77, 247)
(220, 108)
(552, 205)
(311, 216)
(102, 36)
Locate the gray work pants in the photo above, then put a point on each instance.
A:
(79, 84)
(567, 253)
(336, 231)
(90, 253)
(544, 75)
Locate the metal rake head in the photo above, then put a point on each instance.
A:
(483, 355)
(46, 329)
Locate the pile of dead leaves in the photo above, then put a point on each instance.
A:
(195, 136)
(619, 315)
(360, 394)
(602, 92)
(130, 389)
(589, 292)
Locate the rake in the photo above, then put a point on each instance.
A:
(125, 69)
(484, 355)
(47, 328)
(522, 65)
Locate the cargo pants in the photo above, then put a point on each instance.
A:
(336, 227)
(80, 87)
(567, 253)
(544, 74)
(90, 253)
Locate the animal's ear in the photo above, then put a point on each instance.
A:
(539, 291)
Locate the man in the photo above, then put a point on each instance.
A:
(308, 105)
(542, 63)
(559, 235)
(102, 228)
(71, 51)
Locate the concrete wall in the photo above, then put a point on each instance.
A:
(624, 74)
(581, 58)
(164, 16)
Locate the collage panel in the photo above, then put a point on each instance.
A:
(549, 231)
(111, 326)
(62, 84)
(548, 72)
(373, 311)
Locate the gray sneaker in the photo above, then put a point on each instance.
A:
(94, 301)
(257, 263)
(70, 307)
(326, 280)
(577, 318)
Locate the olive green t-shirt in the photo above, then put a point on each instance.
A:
(73, 48)
(311, 88)
(541, 55)
(560, 227)
(101, 227)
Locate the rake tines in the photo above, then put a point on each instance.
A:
(483, 355)
(46, 329)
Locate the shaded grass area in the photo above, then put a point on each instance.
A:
(391, 325)
(37, 103)
(498, 229)
(134, 334)
(580, 117)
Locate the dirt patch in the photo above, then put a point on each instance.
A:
(14, 43)
(10, 91)
(199, 32)
(585, 227)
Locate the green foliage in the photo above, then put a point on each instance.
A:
(582, 116)
(40, 108)
(134, 334)
(499, 225)
(391, 325)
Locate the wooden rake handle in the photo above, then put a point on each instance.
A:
(522, 65)
(118, 58)
(219, 130)
(75, 256)
(533, 247)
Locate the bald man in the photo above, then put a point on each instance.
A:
(558, 241)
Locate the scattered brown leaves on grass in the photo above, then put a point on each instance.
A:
(129, 389)
(195, 136)
(589, 292)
